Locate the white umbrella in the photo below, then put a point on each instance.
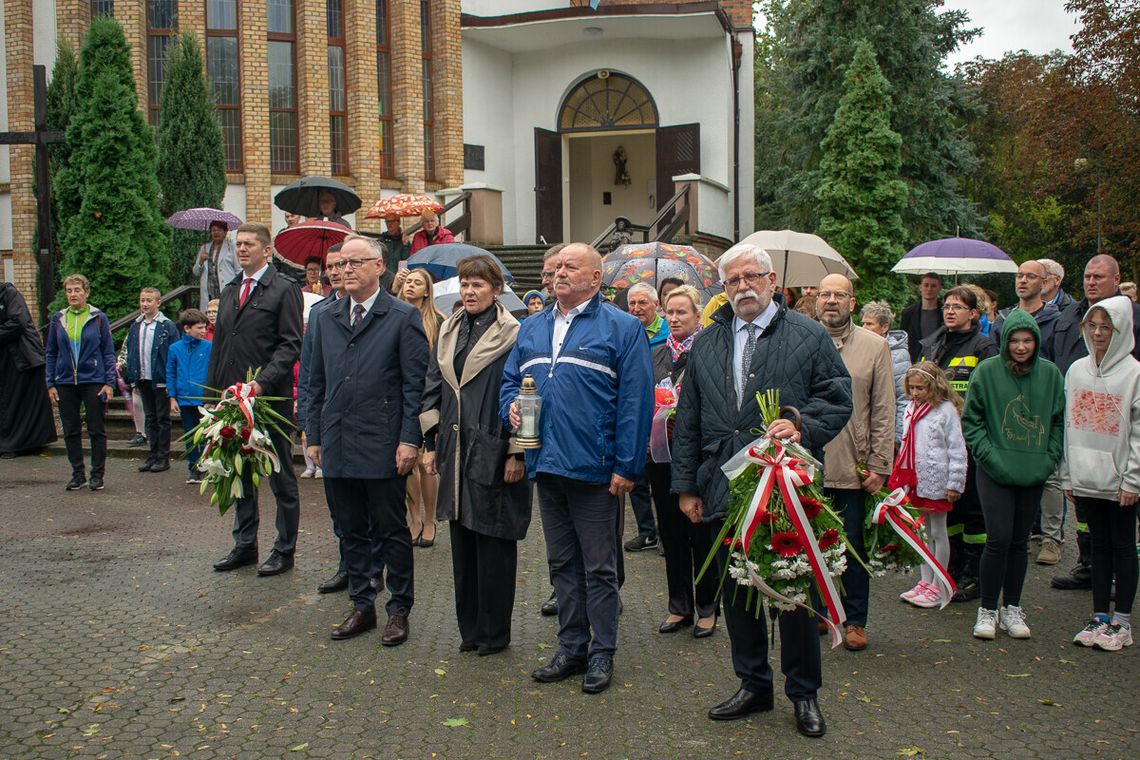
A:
(799, 258)
(446, 293)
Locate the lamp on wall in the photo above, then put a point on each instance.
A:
(621, 175)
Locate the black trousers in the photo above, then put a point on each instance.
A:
(1009, 518)
(484, 568)
(372, 511)
(284, 486)
(686, 545)
(156, 410)
(1113, 531)
(71, 398)
(799, 650)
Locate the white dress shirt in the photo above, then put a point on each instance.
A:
(561, 325)
(740, 337)
(146, 342)
(366, 303)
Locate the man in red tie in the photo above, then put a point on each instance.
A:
(259, 327)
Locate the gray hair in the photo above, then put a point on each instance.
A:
(375, 247)
(741, 250)
(643, 287)
(880, 311)
(1053, 268)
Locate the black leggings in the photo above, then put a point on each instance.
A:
(1009, 511)
(1113, 531)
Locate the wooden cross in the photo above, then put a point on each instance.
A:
(41, 137)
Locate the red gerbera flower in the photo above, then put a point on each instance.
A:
(733, 543)
(829, 539)
(766, 517)
(786, 544)
(812, 507)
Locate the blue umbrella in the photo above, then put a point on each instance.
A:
(441, 260)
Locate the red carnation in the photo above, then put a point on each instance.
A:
(246, 451)
(227, 432)
(829, 539)
(888, 548)
(786, 544)
(245, 434)
(812, 507)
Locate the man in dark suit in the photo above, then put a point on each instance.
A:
(754, 343)
(259, 328)
(366, 377)
(924, 316)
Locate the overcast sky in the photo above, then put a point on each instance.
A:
(1039, 26)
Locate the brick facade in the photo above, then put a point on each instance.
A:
(72, 18)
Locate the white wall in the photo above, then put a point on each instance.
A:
(746, 202)
(689, 80)
(43, 34)
(488, 113)
(5, 166)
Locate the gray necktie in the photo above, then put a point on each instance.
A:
(357, 316)
(746, 358)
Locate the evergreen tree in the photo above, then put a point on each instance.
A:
(861, 198)
(115, 234)
(60, 107)
(807, 45)
(191, 162)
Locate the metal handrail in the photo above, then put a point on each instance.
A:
(621, 230)
(182, 292)
(457, 227)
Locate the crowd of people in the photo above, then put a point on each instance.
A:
(996, 422)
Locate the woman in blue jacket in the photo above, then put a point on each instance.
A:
(81, 372)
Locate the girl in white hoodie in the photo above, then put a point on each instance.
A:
(932, 465)
(1101, 467)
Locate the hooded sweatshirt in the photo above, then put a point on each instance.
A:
(1014, 426)
(1102, 417)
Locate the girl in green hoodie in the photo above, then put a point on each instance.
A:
(1013, 422)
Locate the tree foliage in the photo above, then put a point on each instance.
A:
(191, 161)
(861, 198)
(802, 59)
(111, 229)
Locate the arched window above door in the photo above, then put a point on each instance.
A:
(605, 101)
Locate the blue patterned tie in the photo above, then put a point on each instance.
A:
(357, 316)
(746, 359)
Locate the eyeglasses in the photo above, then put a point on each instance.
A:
(954, 307)
(827, 295)
(749, 278)
(1027, 276)
(351, 263)
(1095, 328)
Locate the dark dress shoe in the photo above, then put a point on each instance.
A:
(1077, 579)
(276, 564)
(550, 606)
(599, 674)
(468, 646)
(161, 465)
(238, 557)
(676, 625)
(561, 667)
(742, 704)
(355, 624)
(704, 633)
(486, 651)
(146, 466)
(809, 720)
(395, 631)
(338, 582)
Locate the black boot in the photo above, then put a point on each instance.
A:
(969, 588)
(1080, 577)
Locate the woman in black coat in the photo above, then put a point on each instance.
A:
(25, 413)
(482, 488)
(686, 544)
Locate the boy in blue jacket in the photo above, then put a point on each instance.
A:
(186, 366)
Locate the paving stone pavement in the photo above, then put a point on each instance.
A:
(117, 640)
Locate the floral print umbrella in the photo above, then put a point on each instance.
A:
(650, 263)
(402, 206)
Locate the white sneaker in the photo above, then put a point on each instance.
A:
(1012, 620)
(319, 473)
(1086, 637)
(1114, 637)
(308, 473)
(986, 626)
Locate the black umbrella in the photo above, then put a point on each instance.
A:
(303, 196)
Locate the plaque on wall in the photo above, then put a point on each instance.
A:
(473, 157)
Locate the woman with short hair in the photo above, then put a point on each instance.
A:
(431, 232)
(483, 490)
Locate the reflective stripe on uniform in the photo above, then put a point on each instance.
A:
(953, 530)
(1082, 527)
(964, 361)
(974, 538)
(960, 385)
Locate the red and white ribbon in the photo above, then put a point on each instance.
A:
(242, 394)
(889, 511)
(789, 473)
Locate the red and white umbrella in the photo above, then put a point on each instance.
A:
(402, 206)
(308, 240)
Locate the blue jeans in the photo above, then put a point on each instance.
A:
(190, 419)
(578, 520)
(851, 504)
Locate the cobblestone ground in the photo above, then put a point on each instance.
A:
(118, 640)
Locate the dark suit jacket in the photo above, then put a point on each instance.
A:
(365, 387)
(265, 333)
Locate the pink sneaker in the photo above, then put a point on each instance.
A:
(918, 590)
(931, 597)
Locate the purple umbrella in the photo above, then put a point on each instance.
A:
(201, 219)
(955, 256)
